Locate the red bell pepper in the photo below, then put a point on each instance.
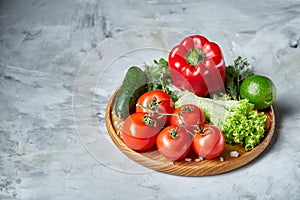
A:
(197, 65)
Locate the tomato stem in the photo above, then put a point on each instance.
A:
(155, 111)
(173, 132)
(206, 131)
(149, 120)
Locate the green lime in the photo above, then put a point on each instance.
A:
(260, 91)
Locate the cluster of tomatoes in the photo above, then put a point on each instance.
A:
(174, 132)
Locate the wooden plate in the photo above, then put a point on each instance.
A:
(194, 167)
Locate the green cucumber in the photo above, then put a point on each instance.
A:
(133, 86)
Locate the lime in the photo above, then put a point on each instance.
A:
(259, 90)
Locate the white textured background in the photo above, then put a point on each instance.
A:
(43, 43)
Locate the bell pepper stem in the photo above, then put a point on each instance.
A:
(195, 57)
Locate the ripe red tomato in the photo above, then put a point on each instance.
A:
(210, 143)
(137, 134)
(174, 143)
(190, 116)
(158, 101)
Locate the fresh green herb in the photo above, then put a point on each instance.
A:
(161, 62)
(159, 77)
(238, 121)
(235, 74)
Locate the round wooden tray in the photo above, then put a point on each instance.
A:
(155, 161)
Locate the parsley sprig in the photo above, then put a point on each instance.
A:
(235, 74)
(159, 77)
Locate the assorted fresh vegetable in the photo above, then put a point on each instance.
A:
(166, 105)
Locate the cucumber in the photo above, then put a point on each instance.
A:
(133, 86)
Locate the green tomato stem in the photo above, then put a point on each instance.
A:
(160, 115)
(195, 57)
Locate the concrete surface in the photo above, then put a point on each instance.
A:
(42, 47)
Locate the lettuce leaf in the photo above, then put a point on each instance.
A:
(243, 125)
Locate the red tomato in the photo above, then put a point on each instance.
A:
(174, 143)
(136, 134)
(190, 116)
(158, 101)
(210, 143)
